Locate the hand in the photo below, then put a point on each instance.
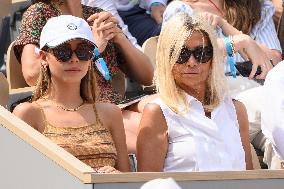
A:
(107, 169)
(213, 19)
(250, 50)
(104, 28)
(157, 13)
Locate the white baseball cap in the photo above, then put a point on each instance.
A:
(61, 29)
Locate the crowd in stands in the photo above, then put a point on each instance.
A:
(209, 54)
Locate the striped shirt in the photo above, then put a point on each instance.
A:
(263, 32)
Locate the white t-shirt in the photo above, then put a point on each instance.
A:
(198, 143)
(272, 114)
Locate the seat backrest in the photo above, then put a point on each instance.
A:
(149, 48)
(4, 92)
(14, 70)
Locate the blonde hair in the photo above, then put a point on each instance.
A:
(87, 86)
(173, 36)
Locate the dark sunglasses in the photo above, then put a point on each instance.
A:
(64, 52)
(201, 54)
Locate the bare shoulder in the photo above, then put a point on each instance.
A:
(152, 108)
(240, 108)
(153, 117)
(153, 112)
(241, 115)
(29, 113)
(107, 109)
(109, 114)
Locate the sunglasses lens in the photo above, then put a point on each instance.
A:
(207, 54)
(84, 52)
(183, 56)
(62, 53)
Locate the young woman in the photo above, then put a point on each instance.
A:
(194, 125)
(64, 106)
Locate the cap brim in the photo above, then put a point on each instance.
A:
(65, 39)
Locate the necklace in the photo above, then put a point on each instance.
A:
(219, 10)
(64, 108)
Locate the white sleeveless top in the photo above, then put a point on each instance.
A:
(198, 143)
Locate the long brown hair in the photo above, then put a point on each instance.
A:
(242, 14)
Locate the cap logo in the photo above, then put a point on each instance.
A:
(72, 26)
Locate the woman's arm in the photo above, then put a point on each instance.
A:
(266, 32)
(152, 140)
(112, 118)
(138, 65)
(249, 50)
(244, 131)
(30, 64)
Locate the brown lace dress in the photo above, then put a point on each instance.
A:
(36, 17)
(92, 144)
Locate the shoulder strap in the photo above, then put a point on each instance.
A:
(98, 120)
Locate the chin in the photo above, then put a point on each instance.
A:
(72, 79)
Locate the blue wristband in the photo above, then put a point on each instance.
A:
(101, 64)
(230, 57)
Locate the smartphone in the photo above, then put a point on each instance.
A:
(245, 68)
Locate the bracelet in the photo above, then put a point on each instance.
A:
(232, 44)
(101, 64)
(230, 56)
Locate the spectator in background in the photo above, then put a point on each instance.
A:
(272, 114)
(143, 17)
(109, 6)
(279, 21)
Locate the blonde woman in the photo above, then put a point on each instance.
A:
(194, 125)
(64, 106)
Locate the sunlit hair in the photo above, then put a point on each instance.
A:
(87, 87)
(173, 37)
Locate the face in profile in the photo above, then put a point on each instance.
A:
(191, 70)
(69, 61)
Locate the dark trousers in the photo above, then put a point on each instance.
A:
(140, 24)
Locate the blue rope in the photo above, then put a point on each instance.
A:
(101, 64)
(230, 57)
